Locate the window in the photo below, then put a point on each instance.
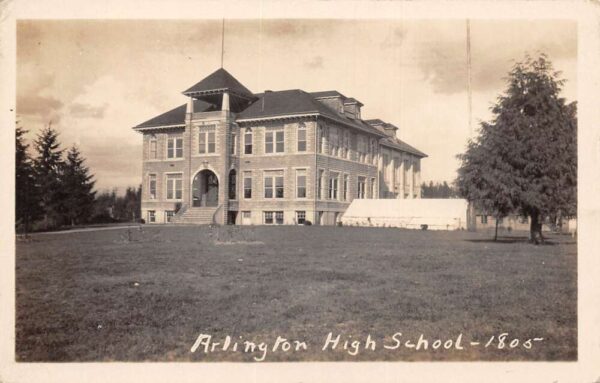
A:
(233, 144)
(169, 215)
(500, 221)
(333, 141)
(269, 215)
(374, 151)
(320, 182)
(273, 184)
(373, 188)
(386, 161)
(151, 216)
(248, 142)
(300, 217)
(247, 185)
(202, 142)
(361, 187)
(153, 152)
(279, 142)
(346, 145)
(152, 186)
(361, 148)
(175, 147)
(232, 184)
(279, 217)
(301, 137)
(345, 188)
(301, 183)
(269, 142)
(333, 185)
(174, 186)
(212, 146)
(206, 142)
(484, 219)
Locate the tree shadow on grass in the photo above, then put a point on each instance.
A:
(547, 242)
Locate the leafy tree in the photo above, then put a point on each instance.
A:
(78, 184)
(27, 198)
(49, 166)
(525, 159)
(484, 178)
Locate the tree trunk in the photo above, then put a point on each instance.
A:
(535, 229)
(496, 232)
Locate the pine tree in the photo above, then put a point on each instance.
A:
(78, 185)
(27, 202)
(48, 166)
(525, 159)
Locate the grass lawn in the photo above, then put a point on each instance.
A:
(104, 296)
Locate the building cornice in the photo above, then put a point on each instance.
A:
(158, 127)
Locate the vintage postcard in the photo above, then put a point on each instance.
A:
(302, 192)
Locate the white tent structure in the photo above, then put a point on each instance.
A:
(436, 214)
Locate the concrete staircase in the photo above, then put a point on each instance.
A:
(195, 215)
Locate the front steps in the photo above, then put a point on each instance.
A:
(196, 216)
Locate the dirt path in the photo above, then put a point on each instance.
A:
(88, 229)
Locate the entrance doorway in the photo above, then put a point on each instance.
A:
(205, 189)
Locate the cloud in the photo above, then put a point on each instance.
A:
(315, 63)
(395, 38)
(87, 111)
(495, 47)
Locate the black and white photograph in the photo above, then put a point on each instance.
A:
(264, 189)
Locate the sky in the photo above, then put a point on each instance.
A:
(94, 80)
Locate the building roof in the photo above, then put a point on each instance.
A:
(327, 93)
(297, 102)
(375, 121)
(273, 104)
(394, 142)
(352, 100)
(174, 116)
(219, 80)
(403, 146)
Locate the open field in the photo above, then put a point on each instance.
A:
(148, 294)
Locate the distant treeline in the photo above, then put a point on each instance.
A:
(55, 190)
(438, 190)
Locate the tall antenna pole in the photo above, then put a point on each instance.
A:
(222, 41)
(469, 91)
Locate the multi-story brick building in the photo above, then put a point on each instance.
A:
(277, 157)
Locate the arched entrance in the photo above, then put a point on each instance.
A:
(205, 189)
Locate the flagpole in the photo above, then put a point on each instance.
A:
(469, 90)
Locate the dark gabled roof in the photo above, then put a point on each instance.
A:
(328, 93)
(174, 116)
(352, 100)
(219, 80)
(375, 121)
(295, 102)
(401, 145)
(394, 142)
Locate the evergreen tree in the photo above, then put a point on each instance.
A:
(525, 159)
(78, 185)
(48, 166)
(27, 203)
